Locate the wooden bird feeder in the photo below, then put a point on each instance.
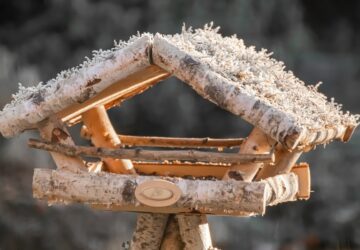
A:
(176, 176)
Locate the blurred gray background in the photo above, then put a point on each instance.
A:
(318, 40)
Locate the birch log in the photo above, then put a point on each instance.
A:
(152, 228)
(117, 192)
(154, 155)
(75, 85)
(194, 231)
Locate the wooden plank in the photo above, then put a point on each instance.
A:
(302, 170)
(102, 134)
(151, 155)
(187, 170)
(133, 83)
(178, 142)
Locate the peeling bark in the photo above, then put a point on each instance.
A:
(177, 142)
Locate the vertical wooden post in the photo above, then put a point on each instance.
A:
(284, 161)
(102, 134)
(54, 130)
(257, 142)
(194, 231)
(172, 239)
(148, 229)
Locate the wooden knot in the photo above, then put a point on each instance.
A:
(157, 193)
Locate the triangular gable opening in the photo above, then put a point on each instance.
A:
(172, 108)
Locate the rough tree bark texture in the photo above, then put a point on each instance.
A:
(150, 228)
(117, 192)
(257, 142)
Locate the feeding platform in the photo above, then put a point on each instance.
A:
(185, 177)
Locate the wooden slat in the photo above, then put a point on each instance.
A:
(180, 142)
(133, 83)
(302, 170)
(181, 169)
(151, 155)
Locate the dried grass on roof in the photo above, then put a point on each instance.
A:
(257, 74)
(98, 56)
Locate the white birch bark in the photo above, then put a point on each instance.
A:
(75, 85)
(117, 192)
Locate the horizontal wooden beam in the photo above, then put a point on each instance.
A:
(187, 170)
(117, 192)
(178, 142)
(150, 155)
(125, 88)
(215, 171)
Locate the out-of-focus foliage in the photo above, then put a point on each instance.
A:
(318, 40)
